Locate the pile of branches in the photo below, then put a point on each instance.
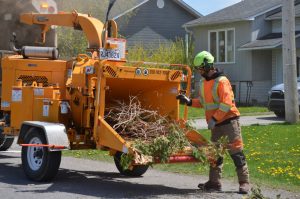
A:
(153, 135)
(132, 121)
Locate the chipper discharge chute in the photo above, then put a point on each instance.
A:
(54, 105)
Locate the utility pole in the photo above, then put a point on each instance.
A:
(289, 62)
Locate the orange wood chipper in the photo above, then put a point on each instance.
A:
(54, 105)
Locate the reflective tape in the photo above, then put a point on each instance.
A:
(201, 96)
(211, 106)
(236, 144)
(225, 107)
(216, 105)
(215, 88)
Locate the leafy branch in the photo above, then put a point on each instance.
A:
(155, 137)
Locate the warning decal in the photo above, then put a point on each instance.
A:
(46, 108)
(16, 95)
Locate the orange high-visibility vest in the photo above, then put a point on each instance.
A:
(217, 99)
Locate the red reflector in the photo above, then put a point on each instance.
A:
(44, 145)
(178, 159)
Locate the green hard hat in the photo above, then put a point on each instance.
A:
(199, 58)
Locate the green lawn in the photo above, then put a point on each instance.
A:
(194, 113)
(273, 154)
(90, 154)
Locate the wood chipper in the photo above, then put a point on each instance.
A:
(54, 105)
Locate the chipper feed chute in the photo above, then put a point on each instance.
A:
(155, 89)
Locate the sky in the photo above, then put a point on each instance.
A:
(206, 7)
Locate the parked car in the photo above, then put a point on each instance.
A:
(276, 99)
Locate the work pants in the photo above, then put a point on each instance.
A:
(232, 131)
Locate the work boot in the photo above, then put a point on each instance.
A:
(213, 184)
(243, 177)
(210, 186)
(244, 188)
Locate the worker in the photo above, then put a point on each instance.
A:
(217, 99)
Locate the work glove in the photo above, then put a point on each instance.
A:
(212, 123)
(184, 99)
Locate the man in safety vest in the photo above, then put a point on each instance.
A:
(222, 116)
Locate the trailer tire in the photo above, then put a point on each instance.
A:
(5, 142)
(39, 164)
(136, 171)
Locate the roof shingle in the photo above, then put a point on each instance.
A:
(278, 15)
(269, 41)
(243, 10)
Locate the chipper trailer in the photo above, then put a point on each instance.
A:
(54, 105)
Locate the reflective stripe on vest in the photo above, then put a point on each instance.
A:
(215, 89)
(211, 106)
(201, 94)
(224, 107)
(216, 104)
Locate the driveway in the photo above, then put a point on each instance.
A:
(244, 121)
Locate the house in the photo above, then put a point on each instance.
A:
(147, 22)
(151, 22)
(246, 40)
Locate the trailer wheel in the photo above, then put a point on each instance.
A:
(5, 142)
(137, 170)
(39, 164)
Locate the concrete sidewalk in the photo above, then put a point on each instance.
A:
(244, 121)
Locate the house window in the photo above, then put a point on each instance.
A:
(221, 45)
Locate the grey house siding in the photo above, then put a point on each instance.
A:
(276, 25)
(262, 76)
(257, 93)
(274, 73)
(241, 69)
(262, 65)
(151, 25)
(252, 66)
(277, 61)
(277, 68)
(277, 64)
(260, 27)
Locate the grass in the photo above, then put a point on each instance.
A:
(273, 155)
(90, 154)
(194, 113)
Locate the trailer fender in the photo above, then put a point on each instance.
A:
(54, 133)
